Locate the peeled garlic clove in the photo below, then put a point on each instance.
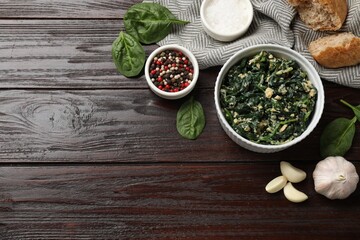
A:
(294, 195)
(292, 173)
(335, 178)
(276, 184)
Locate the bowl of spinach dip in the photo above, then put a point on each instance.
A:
(268, 98)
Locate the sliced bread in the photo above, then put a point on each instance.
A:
(321, 14)
(337, 50)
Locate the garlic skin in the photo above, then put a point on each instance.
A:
(335, 178)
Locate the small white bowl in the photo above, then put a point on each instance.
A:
(278, 51)
(172, 95)
(244, 18)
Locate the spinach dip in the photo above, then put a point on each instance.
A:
(267, 100)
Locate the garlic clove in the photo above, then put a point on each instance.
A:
(294, 195)
(335, 178)
(276, 184)
(292, 173)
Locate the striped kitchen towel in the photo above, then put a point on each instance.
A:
(275, 21)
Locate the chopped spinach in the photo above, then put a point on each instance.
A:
(267, 99)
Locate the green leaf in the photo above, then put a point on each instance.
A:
(190, 120)
(337, 137)
(149, 22)
(356, 110)
(128, 55)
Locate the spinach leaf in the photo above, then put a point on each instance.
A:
(149, 22)
(190, 120)
(128, 55)
(356, 110)
(337, 137)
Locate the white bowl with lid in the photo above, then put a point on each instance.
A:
(226, 20)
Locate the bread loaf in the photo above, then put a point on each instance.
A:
(336, 51)
(321, 14)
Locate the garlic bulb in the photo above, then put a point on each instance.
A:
(335, 178)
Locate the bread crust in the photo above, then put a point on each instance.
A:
(339, 8)
(322, 15)
(335, 52)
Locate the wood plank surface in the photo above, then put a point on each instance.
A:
(64, 8)
(61, 54)
(166, 202)
(131, 126)
(66, 54)
(86, 153)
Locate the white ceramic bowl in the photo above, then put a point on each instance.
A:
(278, 51)
(244, 14)
(172, 95)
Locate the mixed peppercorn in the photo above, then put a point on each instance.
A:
(171, 71)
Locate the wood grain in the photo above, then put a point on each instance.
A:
(166, 202)
(64, 8)
(66, 54)
(61, 54)
(129, 126)
(86, 153)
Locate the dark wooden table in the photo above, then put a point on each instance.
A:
(89, 154)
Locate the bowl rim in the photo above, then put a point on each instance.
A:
(302, 62)
(185, 91)
(232, 35)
